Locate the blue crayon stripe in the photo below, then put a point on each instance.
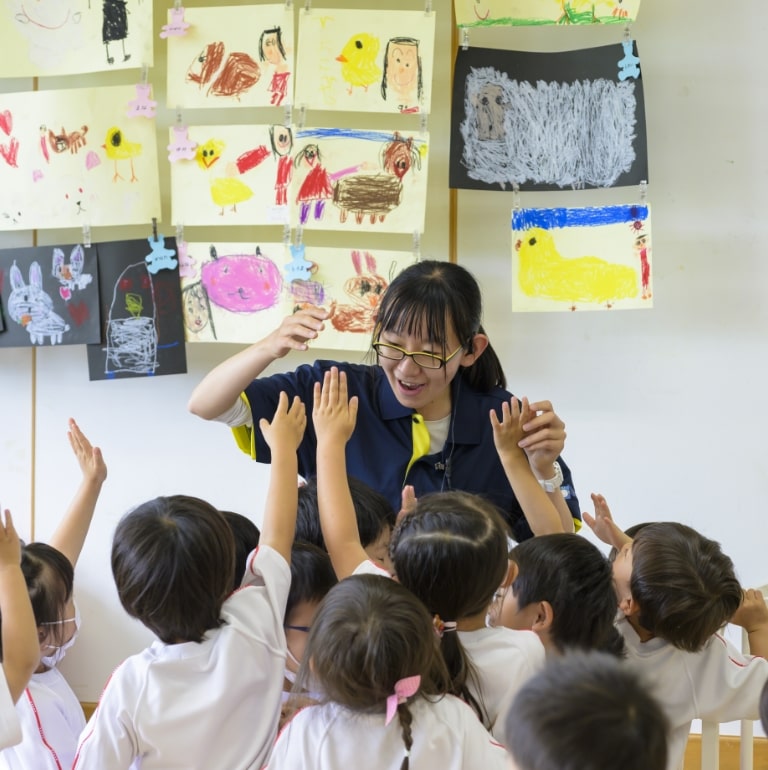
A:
(592, 216)
(347, 133)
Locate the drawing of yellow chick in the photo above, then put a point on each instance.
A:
(117, 147)
(226, 190)
(358, 61)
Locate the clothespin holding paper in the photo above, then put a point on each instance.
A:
(177, 26)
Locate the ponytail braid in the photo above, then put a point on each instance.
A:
(405, 718)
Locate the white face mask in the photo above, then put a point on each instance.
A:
(59, 651)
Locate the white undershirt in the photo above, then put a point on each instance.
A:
(438, 433)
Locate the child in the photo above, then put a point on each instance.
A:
(373, 652)
(375, 519)
(450, 551)
(312, 576)
(676, 589)
(19, 650)
(586, 711)
(50, 713)
(246, 535)
(561, 587)
(207, 693)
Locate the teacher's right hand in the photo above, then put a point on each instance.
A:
(296, 330)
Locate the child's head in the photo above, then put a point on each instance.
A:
(677, 584)
(173, 560)
(451, 552)
(374, 514)
(369, 633)
(49, 576)
(312, 576)
(246, 535)
(437, 301)
(561, 587)
(586, 711)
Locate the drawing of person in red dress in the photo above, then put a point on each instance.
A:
(642, 248)
(271, 50)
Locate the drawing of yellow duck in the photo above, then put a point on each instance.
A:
(544, 272)
(226, 190)
(358, 61)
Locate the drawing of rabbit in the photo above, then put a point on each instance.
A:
(365, 289)
(71, 275)
(31, 307)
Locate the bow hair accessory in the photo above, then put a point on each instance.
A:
(442, 626)
(404, 689)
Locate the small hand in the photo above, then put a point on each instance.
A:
(10, 546)
(753, 611)
(602, 523)
(545, 438)
(287, 425)
(334, 413)
(295, 330)
(508, 433)
(91, 462)
(407, 502)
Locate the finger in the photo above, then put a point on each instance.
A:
(589, 520)
(264, 425)
(343, 398)
(514, 409)
(525, 411)
(541, 406)
(326, 390)
(353, 403)
(316, 397)
(494, 420)
(282, 403)
(10, 530)
(334, 389)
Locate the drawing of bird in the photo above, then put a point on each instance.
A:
(358, 61)
(544, 272)
(226, 190)
(117, 147)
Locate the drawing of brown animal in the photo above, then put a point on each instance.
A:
(64, 141)
(232, 76)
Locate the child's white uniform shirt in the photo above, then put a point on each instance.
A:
(446, 735)
(51, 720)
(505, 660)
(718, 683)
(215, 704)
(10, 729)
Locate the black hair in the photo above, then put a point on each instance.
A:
(373, 512)
(576, 579)
(451, 552)
(369, 633)
(173, 560)
(430, 297)
(312, 575)
(246, 535)
(278, 37)
(629, 532)
(586, 711)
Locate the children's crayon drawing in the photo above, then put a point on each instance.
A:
(73, 157)
(68, 37)
(593, 258)
(233, 56)
(366, 60)
(237, 292)
(142, 331)
(50, 296)
(520, 13)
(345, 179)
(238, 175)
(547, 121)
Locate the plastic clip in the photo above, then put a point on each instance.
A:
(179, 233)
(417, 245)
(643, 192)
(428, 7)
(627, 32)
(154, 229)
(423, 121)
(286, 235)
(299, 236)
(302, 116)
(288, 115)
(465, 38)
(87, 236)
(516, 197)
(307, 6)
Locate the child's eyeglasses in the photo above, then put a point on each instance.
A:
(424, 360)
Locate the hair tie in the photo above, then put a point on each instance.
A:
(442, 626)
(404, 689)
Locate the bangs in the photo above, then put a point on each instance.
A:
(415, 309)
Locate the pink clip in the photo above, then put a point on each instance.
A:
(404, 689)
(182, 147)
(176, 27)
(142, 106)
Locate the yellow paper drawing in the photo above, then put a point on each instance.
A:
(373, 61)
(581, 259)
(490, 13)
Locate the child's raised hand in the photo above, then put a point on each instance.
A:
(508, 432)
(287, 426)
(407, 502)
(602, 523)
(544, 436)
(752, 614)
(91, 462)
(334, 413)
(10, 545)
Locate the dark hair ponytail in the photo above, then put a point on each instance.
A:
(405, 718)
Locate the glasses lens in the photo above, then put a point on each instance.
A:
(387, 351)
(427, 361)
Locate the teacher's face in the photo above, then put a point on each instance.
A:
(425, 390)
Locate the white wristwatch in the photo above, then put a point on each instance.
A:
(553, 484)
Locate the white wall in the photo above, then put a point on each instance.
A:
(663, 408)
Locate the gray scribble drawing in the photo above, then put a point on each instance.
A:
(32, 308)
(131, 330)
(563, 134)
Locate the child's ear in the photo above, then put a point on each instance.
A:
(545, 616)
(629, 606)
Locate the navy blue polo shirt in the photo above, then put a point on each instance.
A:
(389, 446)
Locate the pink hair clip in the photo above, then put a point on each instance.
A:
(404, 689)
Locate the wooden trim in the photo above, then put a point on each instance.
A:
(88, 708)
(729, 753)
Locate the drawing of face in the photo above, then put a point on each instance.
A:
(403, 67)
(309, 154)
(641, 243)
(195, 308)
(44, 15)
(282, 139)
(489, 105)
(271, 47)
(51, 27)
